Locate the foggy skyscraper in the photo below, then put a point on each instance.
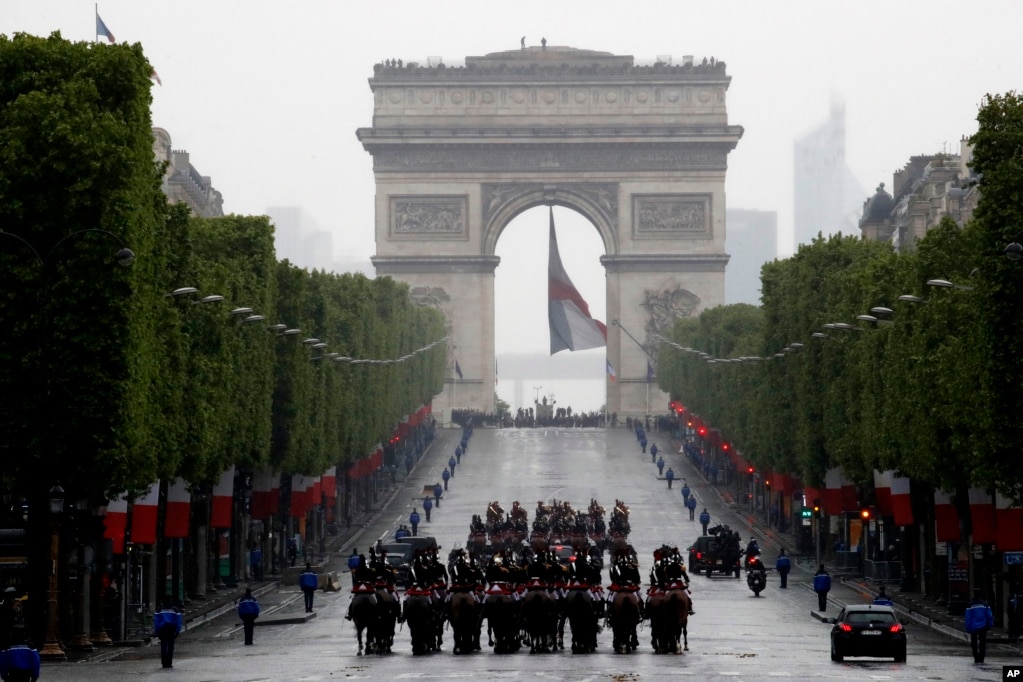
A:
(828, 199)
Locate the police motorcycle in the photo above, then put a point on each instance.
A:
(756, 575)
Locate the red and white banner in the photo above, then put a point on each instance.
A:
(839, 493)
(262, 504)
(223, 497)
(179, 506)
(301, 494)
(143, 516)
(982, 516)
(893, 496)
(114, 524)
(946, 519)
(329, 483)
(1010, 525)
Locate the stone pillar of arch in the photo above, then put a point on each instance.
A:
(640, 151)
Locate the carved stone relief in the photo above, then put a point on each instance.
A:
(602, 196)
(431, 297)
(666, 306)
(671, 215)
(609, 158)
(441, 217)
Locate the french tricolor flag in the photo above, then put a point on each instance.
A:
(572, 328)
(102, 30)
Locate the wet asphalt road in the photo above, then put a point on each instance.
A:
(733, 634)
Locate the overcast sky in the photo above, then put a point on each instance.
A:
(266, 96)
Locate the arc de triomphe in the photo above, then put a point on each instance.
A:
(640, 151)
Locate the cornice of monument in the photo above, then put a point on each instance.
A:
(551, 65)
(692, 262)
(392, 265)
(708, 133)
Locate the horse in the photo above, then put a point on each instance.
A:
(465, 622)
(388, 611)
(582, 618)
(364, 615)
(676, 616)
(624, 617)
(501, 612)
(539, 620)
(418, 613)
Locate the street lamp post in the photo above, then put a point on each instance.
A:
(52, 649)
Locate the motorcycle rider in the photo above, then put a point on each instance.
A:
(752, 551)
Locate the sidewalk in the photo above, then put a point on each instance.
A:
(847, 587)
(199, 612)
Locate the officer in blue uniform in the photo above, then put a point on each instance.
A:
(670, 475)
(308, 581)
(438, 490)
(783, 565)
(427, 507)
(446, 475)
(353, 562)
(691, 506)
(248, 611)
(705, 521)
(451, 465)
(660, 466)
(20, 663)
(167, 623)
(653, 452)
(458, 454)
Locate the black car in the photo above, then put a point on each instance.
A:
(399, 556)
(868, 630)
(712, 553)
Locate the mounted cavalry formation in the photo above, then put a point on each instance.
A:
(527, 589)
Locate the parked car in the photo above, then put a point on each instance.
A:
(868, 630)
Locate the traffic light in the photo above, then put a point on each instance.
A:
(725, 446)
(749, 470)
(702, 431)
(865, 514)
(816, 506)
(767, 483)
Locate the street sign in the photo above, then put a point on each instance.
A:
(1013, 558)
(806, 513)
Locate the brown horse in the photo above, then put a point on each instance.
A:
(668, 611)
(364, 615)
(624, 617)
(540, 620)
(463, 614)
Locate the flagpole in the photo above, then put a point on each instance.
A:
(95, 22)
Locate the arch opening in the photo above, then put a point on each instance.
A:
(525, 370)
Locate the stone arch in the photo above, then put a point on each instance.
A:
(504, 202)
(639, 151)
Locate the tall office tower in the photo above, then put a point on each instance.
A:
(828, 199)
(751, 241)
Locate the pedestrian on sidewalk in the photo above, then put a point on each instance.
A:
(691, 504)
(413, 518)
(705, 520)
(438, 490)
(670, 475)
(446, 475)
(308, 581)
(822, 585)
(427, 507)
(248, 611)
(783, 565)
(167, 624)
(660, 466)
(21, 662)
(978, 619)
(353, 563)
